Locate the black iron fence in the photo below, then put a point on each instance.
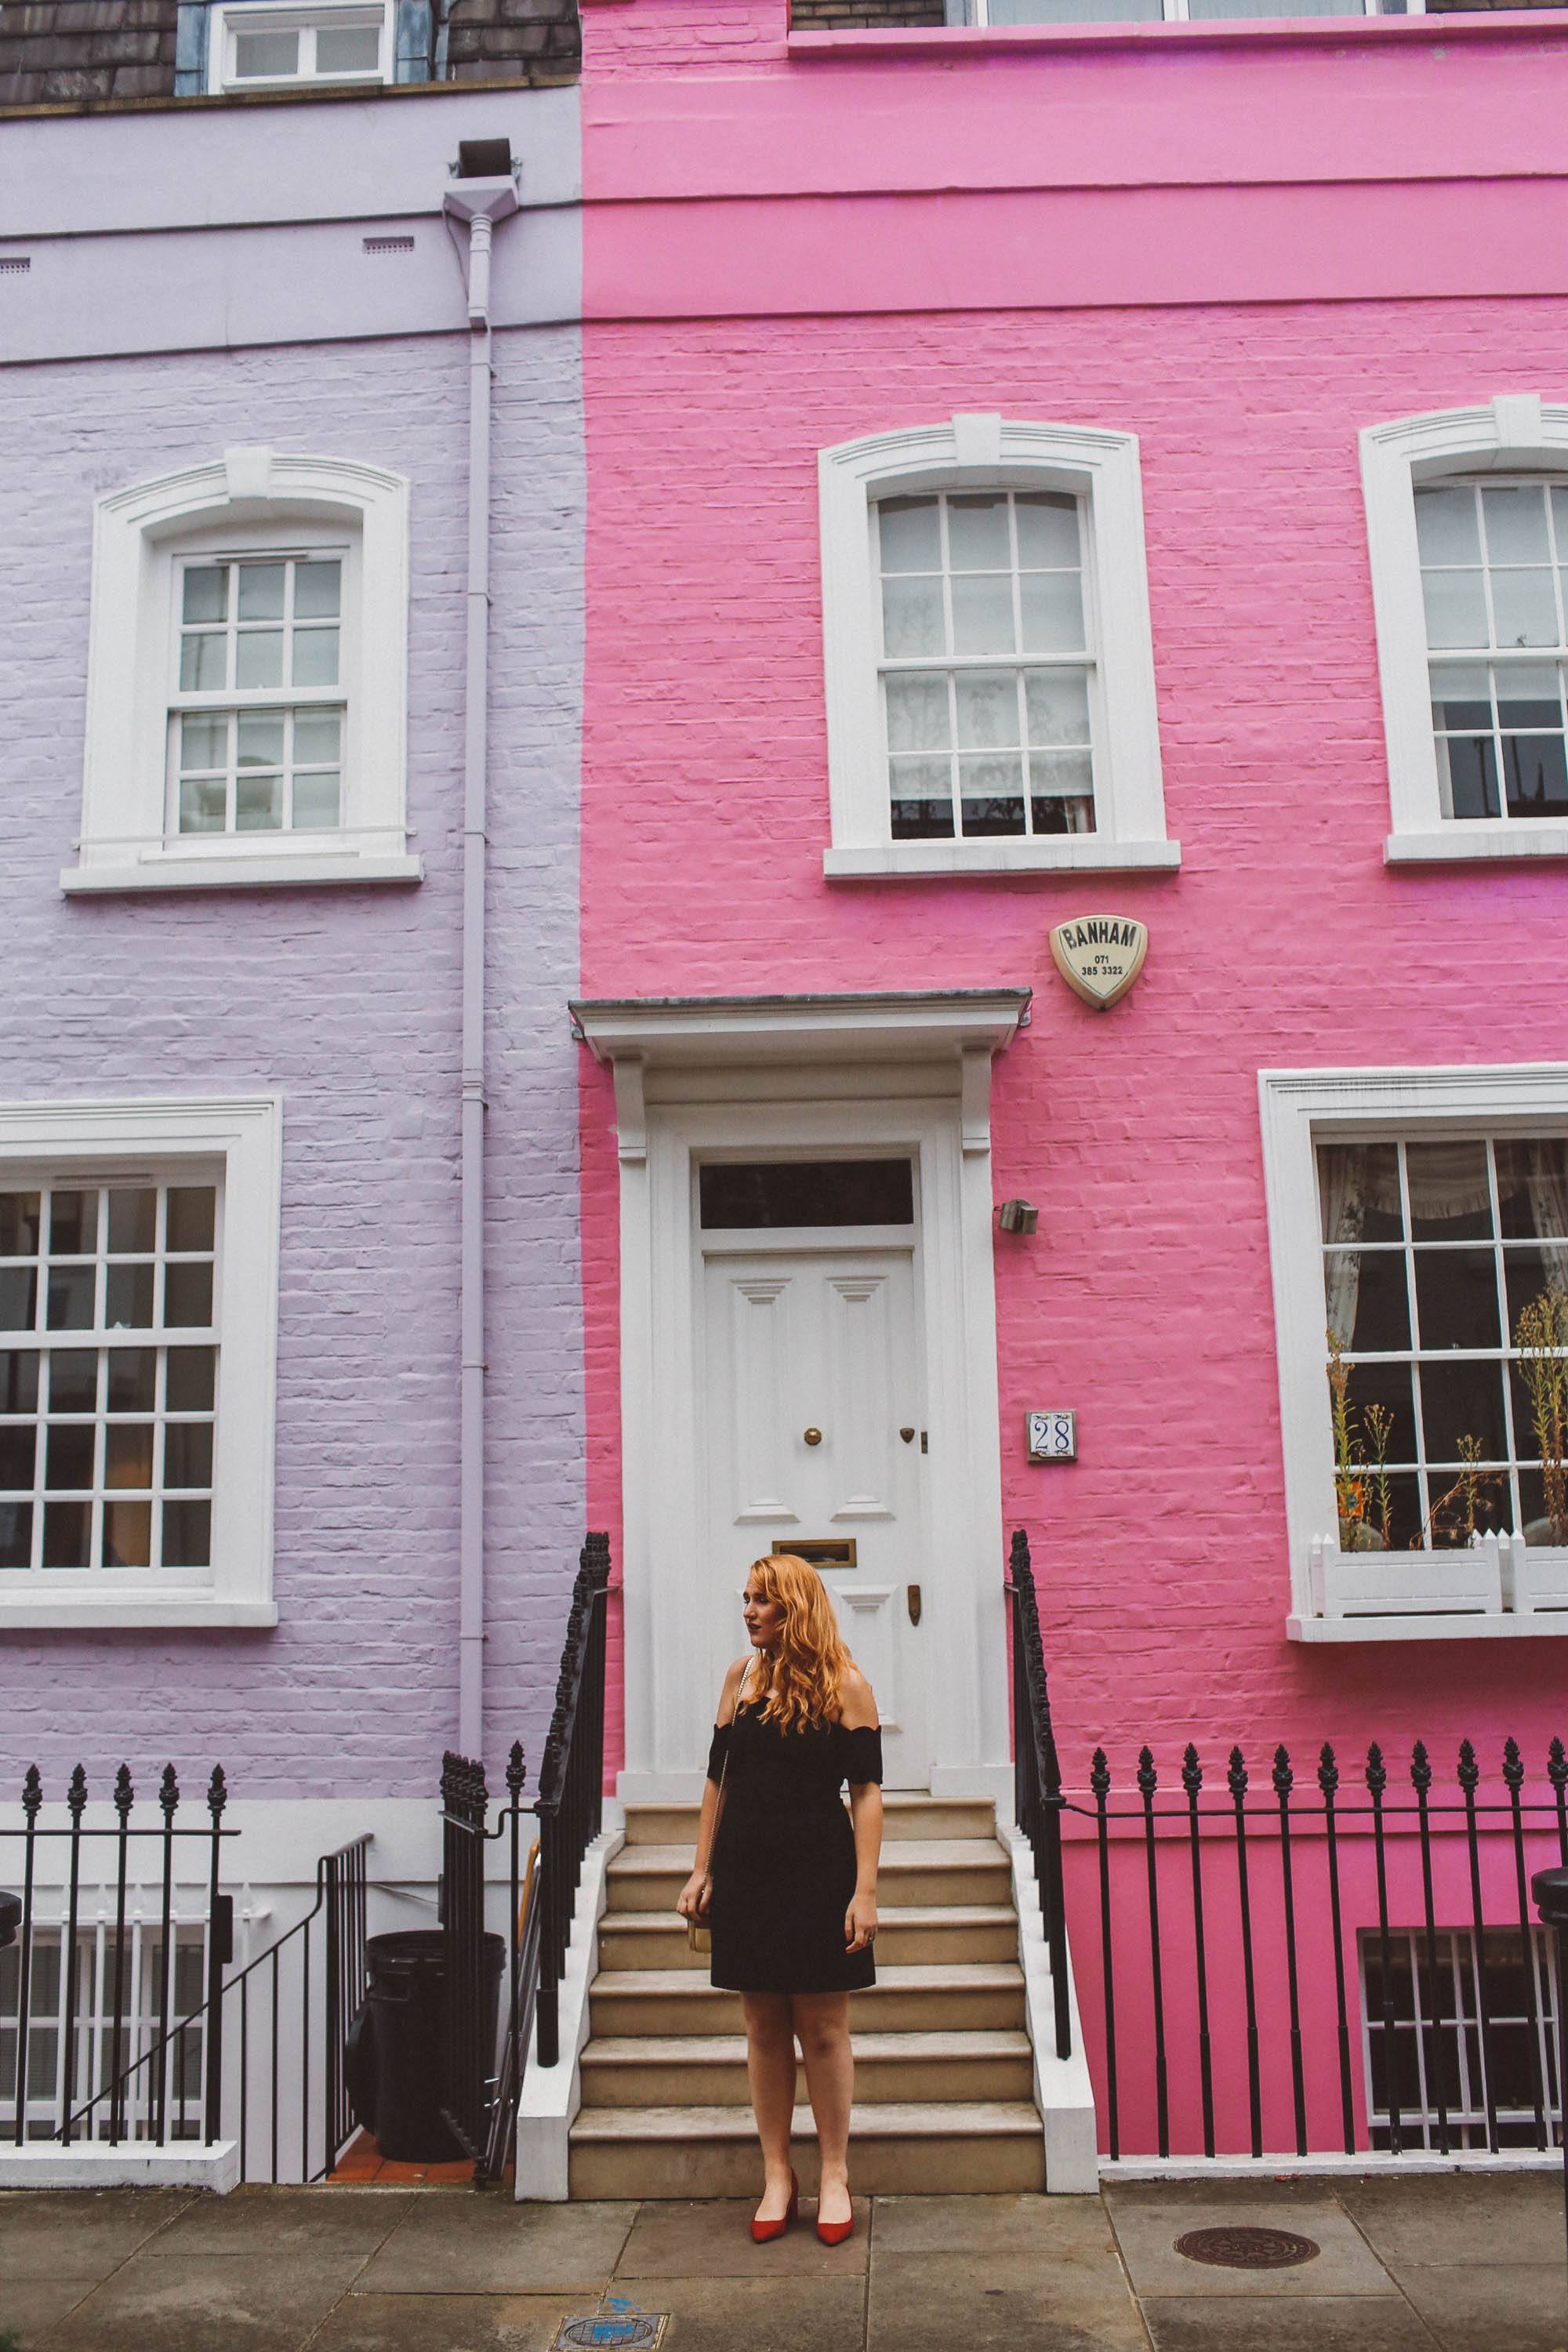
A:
(1293, 1961)
(120, 2022)
(1321, 1961)
(122, 1939)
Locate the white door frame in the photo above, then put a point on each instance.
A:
(787, 1074)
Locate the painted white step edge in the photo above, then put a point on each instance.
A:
(551, 2096)
(1063, 2091)
(213, 2164)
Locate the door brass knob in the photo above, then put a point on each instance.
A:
(814, 1436)
(908, 1435)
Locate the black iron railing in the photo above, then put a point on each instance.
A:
(1322, 1964)
(118, 1984)
(570, 1802)
(480, 2083)
(1036, 1777)
(467, 2066)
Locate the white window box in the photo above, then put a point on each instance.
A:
(1087, 787)
(1503, 1588)
(1515, 435)
(1424, 1264)
(265, 518)
(142, 1343)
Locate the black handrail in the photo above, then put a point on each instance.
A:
(1037, 1777)
(569, 1804)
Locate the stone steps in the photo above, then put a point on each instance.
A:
(944, 2071)
(903, 2149)
(906, 1813)
(709, 2070)
(914, 1871)
(924, 1933)
(947, 1998)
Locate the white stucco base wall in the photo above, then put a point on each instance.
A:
(551, 2096)
(216, 2166)
(1063, 2091)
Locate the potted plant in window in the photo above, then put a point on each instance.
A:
(1540, 1335)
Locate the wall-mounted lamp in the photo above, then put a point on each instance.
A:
(1017, 1217)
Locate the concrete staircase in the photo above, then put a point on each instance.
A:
(943, 2067)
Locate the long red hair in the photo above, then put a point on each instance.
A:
(804, 1677)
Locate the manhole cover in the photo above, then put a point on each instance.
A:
(1238, 2246)
(639, 2331)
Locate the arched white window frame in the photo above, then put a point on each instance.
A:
(976, 452)
(139, 537)
(1516, 433)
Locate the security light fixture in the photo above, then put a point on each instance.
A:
(484, 158)
(1017, 1217)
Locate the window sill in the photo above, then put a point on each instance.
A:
(1464, 844)
(107, 1610)
(1453, 1625)
(160, 869)
(1070, 853)
(952, 43)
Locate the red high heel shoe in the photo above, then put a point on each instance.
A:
(763, 2232)
(833, 2233)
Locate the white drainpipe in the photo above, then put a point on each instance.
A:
(480, 203)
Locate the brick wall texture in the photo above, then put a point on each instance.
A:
(1145, 1299)
(348, 1003)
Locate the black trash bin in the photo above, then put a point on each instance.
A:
(10, 1918)
(393, 2054)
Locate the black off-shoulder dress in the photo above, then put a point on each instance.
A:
(784, 1862)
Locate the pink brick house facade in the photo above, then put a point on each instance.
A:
(1206, 259)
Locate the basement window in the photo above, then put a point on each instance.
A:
(1423, 2043)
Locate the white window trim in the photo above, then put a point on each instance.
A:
(1514, 433)
(970, 452)
(1501, 1589)
(244, 1134)
(226, 19)
(138, 533)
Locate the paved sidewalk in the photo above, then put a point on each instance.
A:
(1447, 2263)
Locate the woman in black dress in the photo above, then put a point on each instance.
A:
(787, 1879)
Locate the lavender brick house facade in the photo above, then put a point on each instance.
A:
(189, 288)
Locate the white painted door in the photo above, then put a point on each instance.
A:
(813, 1416)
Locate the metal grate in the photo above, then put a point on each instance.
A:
(1243, 2246)
(639, 2331)
(389, 243)
(15, 264)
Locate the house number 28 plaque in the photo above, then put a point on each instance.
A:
(1099, 956)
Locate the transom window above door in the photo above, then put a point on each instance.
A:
(986, 667)
(739, 1196)
(1494, 558)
